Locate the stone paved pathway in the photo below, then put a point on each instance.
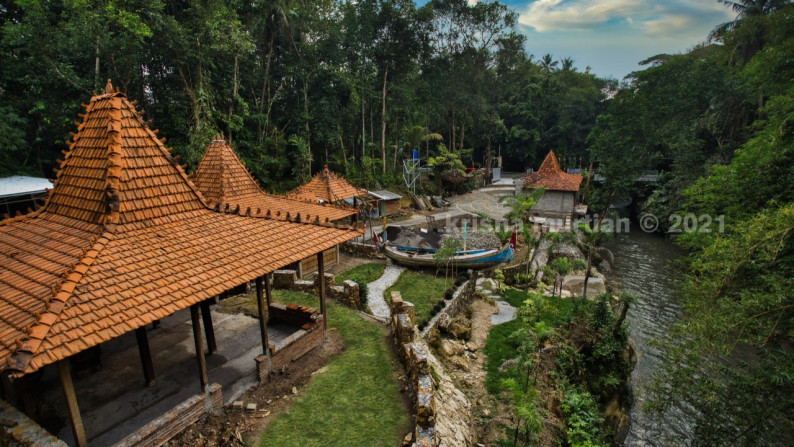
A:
(507, 312)
(375, 299)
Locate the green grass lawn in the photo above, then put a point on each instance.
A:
(364, 273)
(355, 402)
(499, 347)
(422, 289)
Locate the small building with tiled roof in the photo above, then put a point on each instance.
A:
(123, 240)
(223, 180)
(326, 187)
(558, 205)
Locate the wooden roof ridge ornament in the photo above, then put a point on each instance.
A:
(114, 163)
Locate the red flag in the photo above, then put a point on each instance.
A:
(375, 237)
(513, 238)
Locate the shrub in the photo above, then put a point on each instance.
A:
(449, 293)
(363, 292)
(578, 264)
(560, 265)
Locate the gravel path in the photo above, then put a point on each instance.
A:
(375, 299)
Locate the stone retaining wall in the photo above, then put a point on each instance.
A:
(347, 293)
(168, 425)
(461, 299)
(362, 250)
(23, 430)
(442, 413)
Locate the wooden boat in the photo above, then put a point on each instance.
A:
(475, 259)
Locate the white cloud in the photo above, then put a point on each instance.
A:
(655, 18)
(472, 2)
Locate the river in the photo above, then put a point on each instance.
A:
(643, 266)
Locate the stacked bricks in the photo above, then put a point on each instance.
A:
(413, 355)
(160, 430)
(295, 345)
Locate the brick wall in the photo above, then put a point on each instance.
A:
(165, 427)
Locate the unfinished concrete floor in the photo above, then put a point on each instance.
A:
(114, 401)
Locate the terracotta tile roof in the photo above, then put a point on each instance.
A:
(223, 179)
(327, 187)
(551, 177)
(125, 239)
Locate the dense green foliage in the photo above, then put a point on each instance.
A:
(567, 360)
(718, 121)
(293, 84)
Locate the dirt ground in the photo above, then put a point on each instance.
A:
(233, 427)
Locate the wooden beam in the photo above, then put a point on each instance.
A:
(260, 301)
(199, 342)
(321, 285)
(269, 291)
(146, 356)
(209, 331)
(65, 377)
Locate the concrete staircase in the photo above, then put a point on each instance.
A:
(499, 189)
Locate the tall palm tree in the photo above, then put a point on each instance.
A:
(747, 9)
(547, 63)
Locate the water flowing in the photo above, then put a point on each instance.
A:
(643, 266)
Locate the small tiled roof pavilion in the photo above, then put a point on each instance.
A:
(327, 187)
(125, 239)
(561, 191)
(222, 179)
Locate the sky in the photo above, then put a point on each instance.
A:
(613, 36)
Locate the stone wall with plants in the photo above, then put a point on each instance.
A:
(442, 412)
(456, 298)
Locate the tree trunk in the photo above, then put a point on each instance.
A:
(342, 147)
(266, 90)
(383, 119)
(363, 131)
(96, 64)
(462, 130)
(454, 136)
(235, 85)
(587, 272)
(623, 313)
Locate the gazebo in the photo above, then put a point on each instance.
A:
(126, 239)
(558, 206)
(326, 187)
(224, 181)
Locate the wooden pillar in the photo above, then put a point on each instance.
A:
(269, 291)
(321, 285)
(146, 356)
(202, 363)
(260, 301)
(209, 331)
(65, 377)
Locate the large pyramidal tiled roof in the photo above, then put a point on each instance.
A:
(223, 179)
(551, 177)
(327, 187)
(125, 239)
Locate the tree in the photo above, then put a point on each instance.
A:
(593, 238)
